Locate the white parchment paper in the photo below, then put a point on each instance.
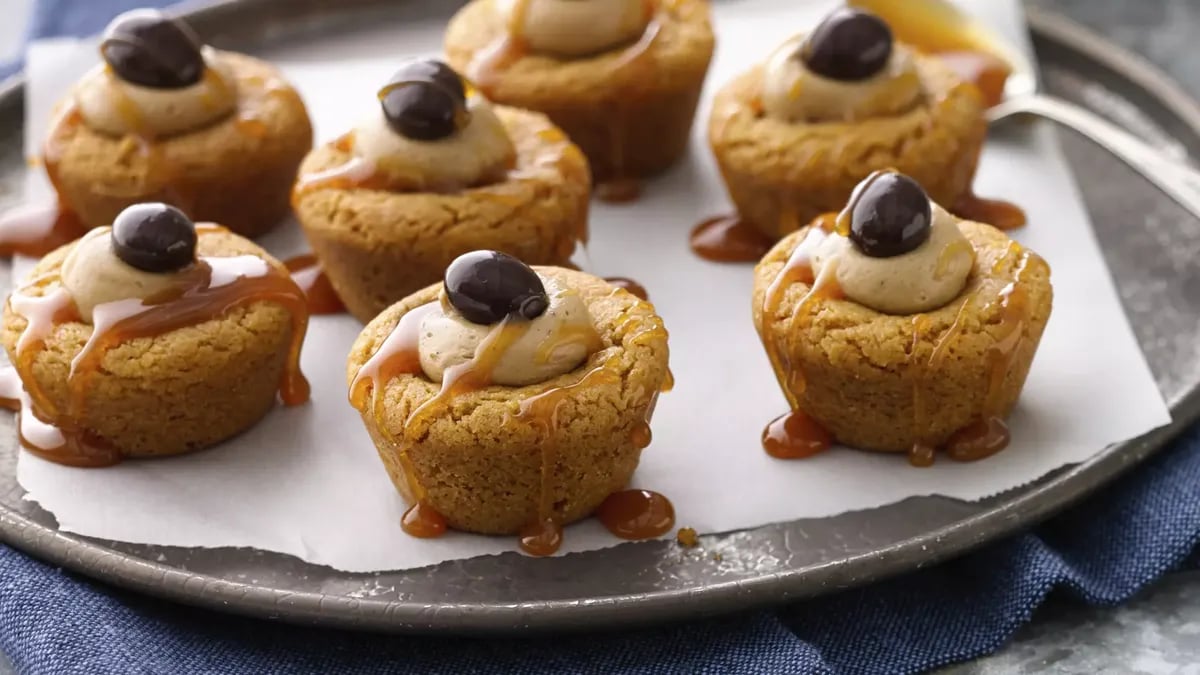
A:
(307, 481)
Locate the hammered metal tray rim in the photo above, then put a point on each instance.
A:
(94, 559)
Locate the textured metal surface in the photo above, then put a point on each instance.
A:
(1150, 245)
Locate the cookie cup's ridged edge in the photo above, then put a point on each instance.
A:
(176, 392)
(858, 363)
(481, 464)
(222, 173)
(629, 121)
(780, 176)
(377, 246)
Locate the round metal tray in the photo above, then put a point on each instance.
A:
(1150, 247)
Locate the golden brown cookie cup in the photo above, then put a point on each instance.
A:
(237, 171)
(377, 246)
(631, 119)
(862, 371)
(781, 176)
(479, 462)
(183, 390)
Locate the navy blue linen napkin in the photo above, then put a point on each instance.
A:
(1101, 552)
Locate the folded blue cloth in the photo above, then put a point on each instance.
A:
(1100, 552)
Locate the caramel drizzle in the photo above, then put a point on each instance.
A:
(974, 64)
(37, 229)
(142, 141)
(796, 435)
(623, 188)
(356, 172)
(510, 47)
(217, 89)
(949, 253)
(217, 286)
(42, 430)
(246, 119)
(80, 448)
(212, 287)
(131, 116)
(845, 218)
(544, 535)
(399, 355)
(988, 434)
(797, 269)
(474, 374)
(922, 453)
(641, 436)
(542, 410)
(568, 335)
(557, 155)
(361, 173)
(42, 315)
(488, 66)
(65, 121)
(252, 97)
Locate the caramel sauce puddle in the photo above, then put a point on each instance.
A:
(728, 239)
(308, 274)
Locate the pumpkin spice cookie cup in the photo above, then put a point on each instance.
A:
(622, 79)
(514, 400)
(432, 172)
(152, 337)
(896, 327)
(164, 118)
(792, 137)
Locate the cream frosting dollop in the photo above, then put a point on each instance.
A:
(93, 275)
(574, 28)
(479, 152)
(793, 93)
(555, 343)
(115, 107)
(921, 280)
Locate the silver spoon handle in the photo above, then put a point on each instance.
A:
(1177, 179)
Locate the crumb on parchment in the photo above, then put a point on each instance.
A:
(687, 537)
